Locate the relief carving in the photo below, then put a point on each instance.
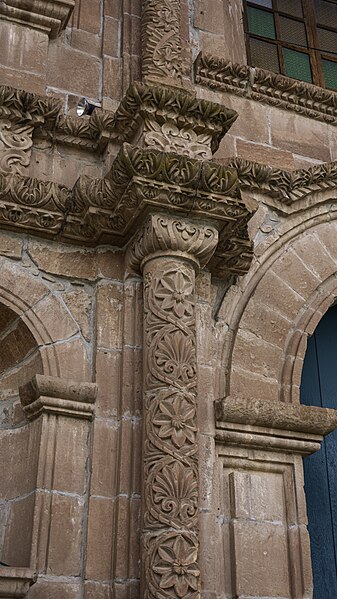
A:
(266, 87)
(170, 447)
(161, 41)
(168, 250)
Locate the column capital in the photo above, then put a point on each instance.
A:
(49, 394)
(15, 582)
(49, 16)
(173, 237)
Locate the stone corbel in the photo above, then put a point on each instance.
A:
(15, 582)
(49, 16)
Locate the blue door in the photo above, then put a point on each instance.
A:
(319, 388)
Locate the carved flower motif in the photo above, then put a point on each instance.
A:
(177, 567)
(176, 420)
(175, 354)
(175, 489)
(176, 294)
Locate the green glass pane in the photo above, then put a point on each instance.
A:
(264, 55)
(291, 7)
(266, 3)
(330, 73)
(261, 22)
(297, 65)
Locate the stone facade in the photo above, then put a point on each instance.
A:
(163, 262)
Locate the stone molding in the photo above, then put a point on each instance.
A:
(47, 394)
(266, 87)
(272, 425)
(161, 40)
(286, 187)
(15, 582)
(49, 16)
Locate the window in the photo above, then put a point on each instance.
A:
(297, 38)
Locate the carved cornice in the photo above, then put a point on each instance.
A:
(15, 582)
(161, 40)
(26, 108)
(173, 119)
(141, 181)
(286, 187)
(266, 87)
(47, 394)
(49, 16)
(272, 425)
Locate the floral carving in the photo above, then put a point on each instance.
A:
(177, 567)
(176, 421)
(161, 43)
(170, 447)
(172, 561)
(176, 291)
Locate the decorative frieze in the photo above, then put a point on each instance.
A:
(266, 87)
(49, 16)
(161, 40)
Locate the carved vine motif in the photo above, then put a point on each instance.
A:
(161, 43)
(170, 449)
(169, 138)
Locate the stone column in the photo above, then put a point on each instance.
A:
(169, 251)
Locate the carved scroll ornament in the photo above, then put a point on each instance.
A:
(168, 250)
(161, 42)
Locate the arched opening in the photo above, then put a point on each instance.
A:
(319, 388)
(19, 360)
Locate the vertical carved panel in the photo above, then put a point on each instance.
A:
(161, 40)
(15, 146)
(170, 488)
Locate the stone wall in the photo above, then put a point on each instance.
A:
(163, 261)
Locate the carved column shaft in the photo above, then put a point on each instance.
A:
(168, 251)
(161, 40)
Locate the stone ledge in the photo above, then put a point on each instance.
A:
(47, 394)
(15, 582)
(266, 87)
(49, 16)
(271, 425)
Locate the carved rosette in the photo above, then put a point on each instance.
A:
(169, 250)
(161, 41)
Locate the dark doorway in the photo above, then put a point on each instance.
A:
(319, 388)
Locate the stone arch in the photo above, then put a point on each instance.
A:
(281, 301)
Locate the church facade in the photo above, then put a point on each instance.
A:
(168, 246)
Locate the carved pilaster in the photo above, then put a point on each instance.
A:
(161, 40)
(168, 250)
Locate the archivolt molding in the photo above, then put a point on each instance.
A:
(313, 307)
(266, 87)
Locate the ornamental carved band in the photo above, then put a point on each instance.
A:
(161, 41)
(169, 250)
